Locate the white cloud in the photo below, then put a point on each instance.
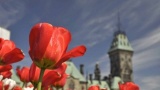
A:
(146, 59)
(149, 82)
(152, 14)
(96, 30)
(149, 40)
(106, 23)
(100, 60)
(11, 12)
(147, 50)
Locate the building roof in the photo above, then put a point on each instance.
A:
(120, 42)
(74, 72)
(16, 78)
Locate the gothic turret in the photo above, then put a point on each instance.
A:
(120, 54)
(97, 72)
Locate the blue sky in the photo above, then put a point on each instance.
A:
(92, 23)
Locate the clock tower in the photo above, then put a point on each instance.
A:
(120, 54)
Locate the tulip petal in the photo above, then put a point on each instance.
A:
(39, 38)
(23, 74)
(17, 88)
(62, 68)
(5, 47)
(64, 38)
(34, 73)
(60, 83)
(58, 45)
(132, 86)
(75, 52)
(13, 56)
(1, 42)
(1, 85)
(6, 74)
(50, 77)
(128, 86)
(5, 68)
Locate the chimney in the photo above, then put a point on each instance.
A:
(18, 67)
(81, 69)
(110, 79)
(90, 78)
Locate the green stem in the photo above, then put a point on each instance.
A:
(23, 85)
(57, 88)
(35, 85)
(40, 79)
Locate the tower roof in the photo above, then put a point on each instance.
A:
(120, 42)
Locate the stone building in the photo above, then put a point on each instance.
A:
(4, 33)
(120, 54)
(77, 80)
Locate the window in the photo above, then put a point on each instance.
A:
(127, 77)
(71, 85)
(82, 88)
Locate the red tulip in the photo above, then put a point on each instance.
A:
(128, 86)
(96, 87)
(9, 53)
(34, 74)
(57, 73)
(23, 74)
(1, 85)
(5, 71)
(17, 88)
(48, 45)
(47, 88)
(50, 76)
(6, 74)
(5, 68)
(60, 83)
(14, 88)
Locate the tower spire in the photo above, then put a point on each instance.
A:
(119, 26)
(118, 22)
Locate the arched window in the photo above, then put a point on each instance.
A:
(71, 85)
(82, 87)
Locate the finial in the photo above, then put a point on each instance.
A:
(118, 23)
(119, 31)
